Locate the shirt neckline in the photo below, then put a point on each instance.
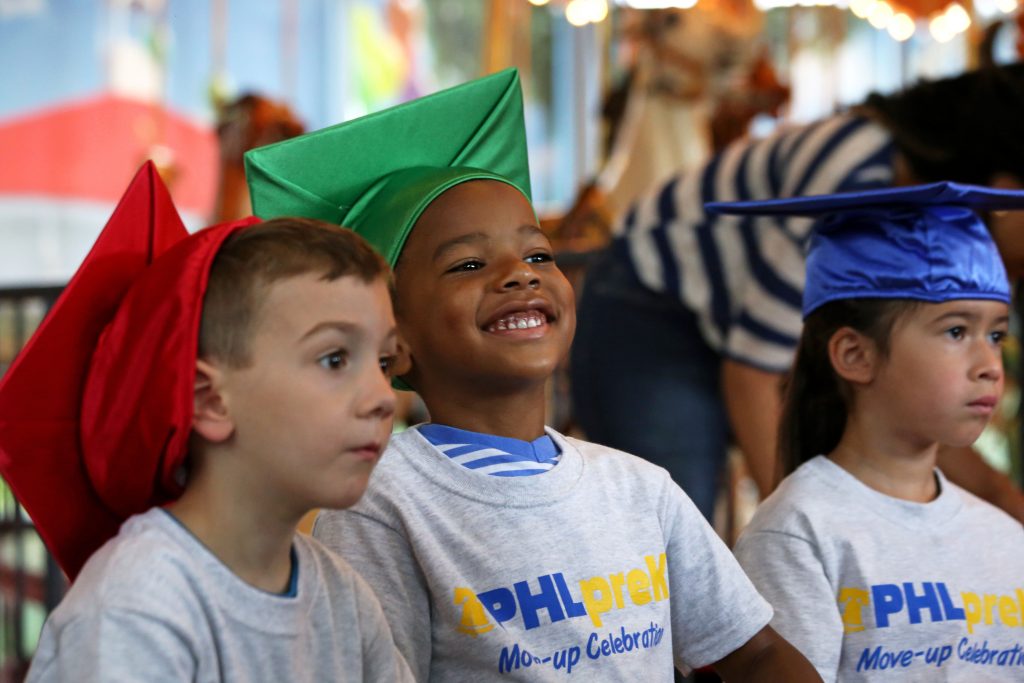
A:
(540, 449)
(521, 492)
(918, 516)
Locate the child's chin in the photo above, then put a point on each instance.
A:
(340, 503)
(531, 373)
(963, 440)
(345, 499)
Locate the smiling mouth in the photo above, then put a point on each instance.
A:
(521, 320)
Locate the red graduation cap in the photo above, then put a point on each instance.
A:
(96, 410)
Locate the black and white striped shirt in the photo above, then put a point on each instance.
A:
(744, 276)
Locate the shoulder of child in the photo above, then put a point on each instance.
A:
(345, 589)
(802, 502)
(998, 522)
(614, 460)
(354, 604)
(336, 577)
(142, 568)
(130, 603)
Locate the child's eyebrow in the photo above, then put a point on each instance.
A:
(339, 325)
(532, 229)
(970, 317)
(468, 238)
(476, 237)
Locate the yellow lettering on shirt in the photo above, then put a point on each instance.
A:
(474, 619)
(657, 568)
(637, 583)
(596, 606)
(852, 602)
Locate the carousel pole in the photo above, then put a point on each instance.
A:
(497, 48)
(973, 39)
(289, 42)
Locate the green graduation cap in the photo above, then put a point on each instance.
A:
(376, 174)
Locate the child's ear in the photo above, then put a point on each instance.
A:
(210, 418)
(853, 355)
(403, 359)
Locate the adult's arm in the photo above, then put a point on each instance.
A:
(753, 403)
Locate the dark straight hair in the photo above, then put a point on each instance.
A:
(816, 400)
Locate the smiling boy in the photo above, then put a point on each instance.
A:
(493, 342)
(499, 548)
(202, 392)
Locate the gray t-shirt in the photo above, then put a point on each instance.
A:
(153, 604)
(600, 569)
(873, 588)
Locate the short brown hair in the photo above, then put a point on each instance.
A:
(256, 257)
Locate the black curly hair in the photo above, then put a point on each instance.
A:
(967, 128)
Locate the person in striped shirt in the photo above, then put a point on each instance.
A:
(688, 321)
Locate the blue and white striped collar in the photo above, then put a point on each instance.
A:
(495, 455)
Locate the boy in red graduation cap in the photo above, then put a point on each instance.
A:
(187, 400)
(500, 549)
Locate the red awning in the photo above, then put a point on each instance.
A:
(90, 149)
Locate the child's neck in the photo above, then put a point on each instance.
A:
(517, 416)
(244, 531)
(887, 463)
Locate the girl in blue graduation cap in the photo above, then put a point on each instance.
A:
(877, 565)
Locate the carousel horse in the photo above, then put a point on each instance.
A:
(685, 63)
(697, 78)
(247, 122)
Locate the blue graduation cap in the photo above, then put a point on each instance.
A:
(924, 242)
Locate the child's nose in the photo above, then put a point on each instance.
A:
(518, 275)
(378, 397)
(990, 362)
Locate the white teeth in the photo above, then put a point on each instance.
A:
(519, 321)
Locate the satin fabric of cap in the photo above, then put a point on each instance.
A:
(137, 403)
(922, 242)
(387, 212)
(333, 174)
(934, 253)
(41, 455)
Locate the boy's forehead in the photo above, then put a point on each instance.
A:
(473, 211)
(315, 287)
(299, 306)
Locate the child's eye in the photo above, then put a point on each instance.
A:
(335, 360)
(542, 257)
(998, 337)
(387, 365)
(956, 332)
(463, 266)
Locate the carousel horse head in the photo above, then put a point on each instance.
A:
(242, 124)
